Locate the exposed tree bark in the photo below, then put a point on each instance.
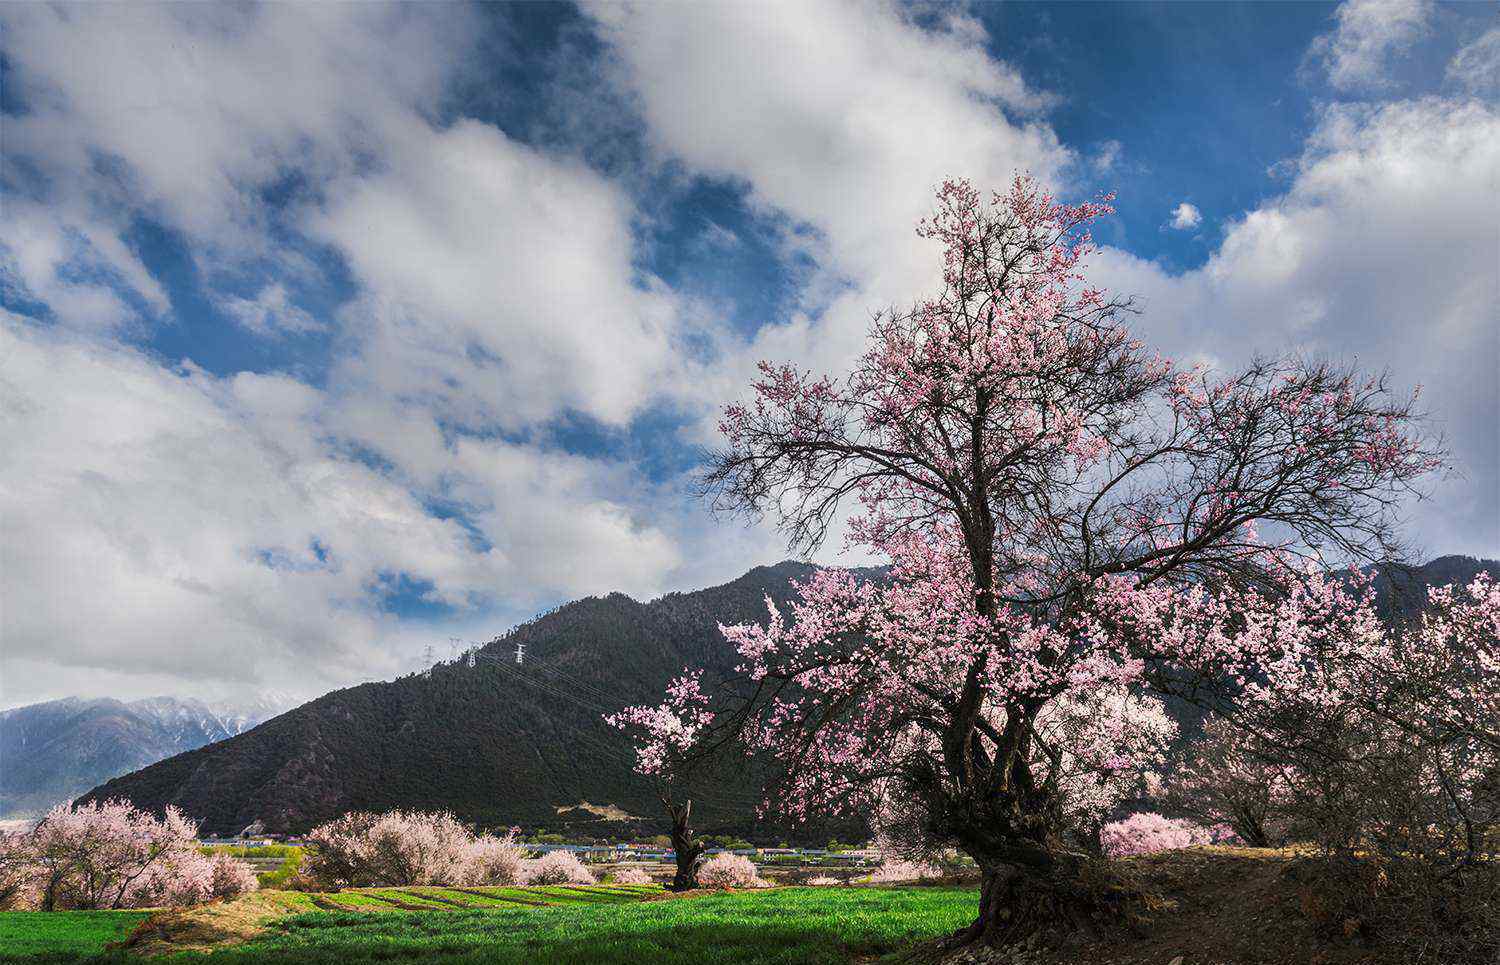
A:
(688, 848)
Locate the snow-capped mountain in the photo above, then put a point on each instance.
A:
(53, 751)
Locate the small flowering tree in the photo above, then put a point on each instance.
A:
(557, 868)
(1226, 777)
(401, 848)
(1148, 832)
(729, 871)
(1022, 461)
(665, 741)
(105, 855)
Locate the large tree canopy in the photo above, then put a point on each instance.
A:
(1029, 469)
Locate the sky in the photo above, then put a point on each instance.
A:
(331, 332)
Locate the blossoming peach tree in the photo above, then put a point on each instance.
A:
(1028, 469)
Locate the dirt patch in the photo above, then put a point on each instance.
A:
(608, 812)
(208, 926)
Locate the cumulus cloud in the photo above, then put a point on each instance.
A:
(1476, 66)
(253, 526)
(271, 312)
(1186, 217)
(498, 283)
(840, 119)
(169, 522)
(1367, 37)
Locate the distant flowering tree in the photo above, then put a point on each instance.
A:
(632, 876)
(1148, 832)
(402, 848)
(665, 739)
(557, 868)
(729, 870)
(109, 854)
(1226, 777)
(1025, 465)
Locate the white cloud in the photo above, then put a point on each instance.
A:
(271, 312)
(498, 283)
(196, 108)
(1476, 66)
(1186, 217)
(1368, 36)
(842, 118)
(170, 523)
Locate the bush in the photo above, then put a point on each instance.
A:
(404, 848)
(895, 869)
(558, 868)
(107, 855)
(729, 871)
(495, 860)
(631, 876)
(1148, 833)
(230, 877)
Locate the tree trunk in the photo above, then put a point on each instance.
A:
(1019, 904)
(686, 846)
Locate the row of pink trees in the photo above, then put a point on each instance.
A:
(1032, 474)
(110, 854)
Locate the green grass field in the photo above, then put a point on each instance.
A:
(27, 934)
(604, 925)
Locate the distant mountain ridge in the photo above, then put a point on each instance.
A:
(502, 744)
(53, 751)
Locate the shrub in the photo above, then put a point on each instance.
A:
(631, 876)
(1147, 833)
(495, 860)
(895, 869)
(230, 877)
(729, 871)
(110, 854)
(402, 848)
(558, 868)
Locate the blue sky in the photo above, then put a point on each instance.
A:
(334, 331)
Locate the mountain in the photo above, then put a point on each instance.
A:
(52, 751)
(500, 743)
(497, 743)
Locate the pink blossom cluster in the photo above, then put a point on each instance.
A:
(401, 848)
(110, 854)
(632, 876)
(1148, 832)
(667, 730)
(728, 870)
(557, 868)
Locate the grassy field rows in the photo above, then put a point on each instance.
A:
(604, 924)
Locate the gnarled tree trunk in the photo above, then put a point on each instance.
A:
(688, 848)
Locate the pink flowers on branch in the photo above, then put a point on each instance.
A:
(109, 854)
(1026, 466)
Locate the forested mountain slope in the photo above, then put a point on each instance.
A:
(496, 743)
